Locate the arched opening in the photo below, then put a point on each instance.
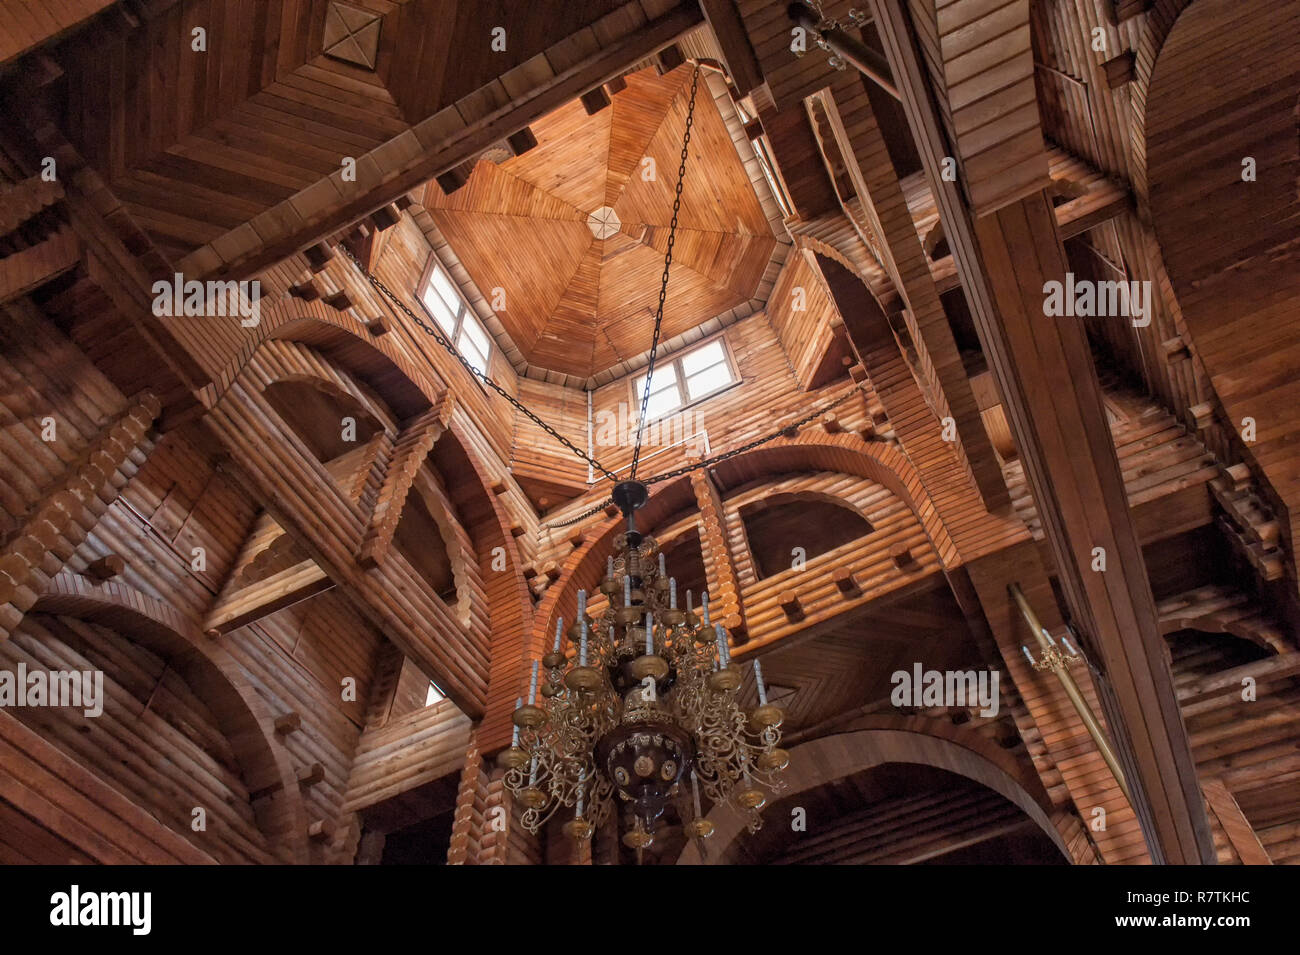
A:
(895, 814)
(331, 424)
(817, 768)
(420, 538)
(684, 558)
(142, 725)
(785, 526)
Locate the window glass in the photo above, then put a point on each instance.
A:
(434, 695)
(662, 402)
(477, 334)
(708, 381)
(702, 358)
(438, 308)
(445, 289)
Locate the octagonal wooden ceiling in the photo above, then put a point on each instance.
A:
(574, 231)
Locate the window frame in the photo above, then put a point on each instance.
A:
(464, 311)
(681, 383)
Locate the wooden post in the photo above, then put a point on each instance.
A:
(1005, 260)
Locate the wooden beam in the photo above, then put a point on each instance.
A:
(28, 269)
(719, 564)
(408, 456)
(460, 145)
(724, 20)
(853, 124)
(1044, 371)
(263, 598)
(1235, 824)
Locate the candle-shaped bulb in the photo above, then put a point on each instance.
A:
(514, 740)
(1028, 656)
(758, 679)
(722, 645)
(1048, 634)
(627, 590)
(532, 772)
(1069, 646)
(532, 686)
(688, 600)
(704, 606)
(695, 793)
(582, 781)
(672, 593)
(609, 566)
(662, 572)
(582, 645)
(649, 635)
(559, 629)
(582, 603)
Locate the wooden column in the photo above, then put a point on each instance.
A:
(719, 567)
(1049, 387)
(467, 821)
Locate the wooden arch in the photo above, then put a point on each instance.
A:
(877, 461)
(916, 740)
(408, 390)
(242, 715)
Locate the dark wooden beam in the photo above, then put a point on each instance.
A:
(724, 19)
(1049, 387)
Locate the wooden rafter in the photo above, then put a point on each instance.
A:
(252, 602)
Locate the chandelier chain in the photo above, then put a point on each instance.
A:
(663, 285)
(783, 431)
(483, 377)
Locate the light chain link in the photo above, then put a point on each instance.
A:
(663, 287)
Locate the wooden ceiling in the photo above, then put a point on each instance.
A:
(577, 303)
(198, 142)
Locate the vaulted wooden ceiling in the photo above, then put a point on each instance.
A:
(581, 285)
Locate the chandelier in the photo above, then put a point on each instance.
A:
(641, 708)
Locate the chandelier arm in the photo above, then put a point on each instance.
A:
(663, 286)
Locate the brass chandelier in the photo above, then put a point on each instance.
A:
(641, 707)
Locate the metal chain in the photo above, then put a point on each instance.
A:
(608, 502)
(486, 379)
(663, 286)
(785, 431)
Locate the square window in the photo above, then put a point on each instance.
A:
(705, 357)
(708, 381)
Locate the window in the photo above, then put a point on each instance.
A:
(692, 375)
(434, 695)
(443, 301)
